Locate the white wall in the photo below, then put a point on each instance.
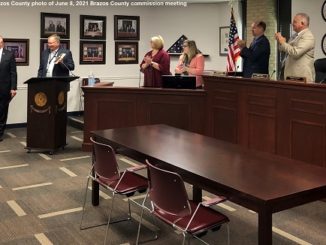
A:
(317, 23)
(200, 22)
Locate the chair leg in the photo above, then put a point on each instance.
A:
(228, 236)
(84, 204)
(184, 238)
(201, 240)
(109, 214)
(129, 209)
(155, 223)
(143, 208)
(139, 226)
(228, 231)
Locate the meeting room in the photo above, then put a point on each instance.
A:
(163, 122)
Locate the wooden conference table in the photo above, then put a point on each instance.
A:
(262, 182)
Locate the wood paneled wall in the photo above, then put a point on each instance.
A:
(283, 118)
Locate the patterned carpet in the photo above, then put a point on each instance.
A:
(41, 198)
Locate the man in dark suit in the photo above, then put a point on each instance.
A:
(8, 84)
(256, 57)
(60, 28)
(55, 61)
(51, 27)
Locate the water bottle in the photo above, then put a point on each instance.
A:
(91, 79)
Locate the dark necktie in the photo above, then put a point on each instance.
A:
(253, 43)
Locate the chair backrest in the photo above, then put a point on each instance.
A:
(105, 162)
(320, 67)
(167, 191)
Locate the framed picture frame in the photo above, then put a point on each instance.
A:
(52, 23)
(126, 52)
(92, 27)
(224, 40)
(20, 48)
(323, 44)
(323, 10)
(126, 27)
(92, 52)
(44, 45)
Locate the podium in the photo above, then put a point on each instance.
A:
(47, 113)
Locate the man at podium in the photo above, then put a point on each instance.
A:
(55, 61)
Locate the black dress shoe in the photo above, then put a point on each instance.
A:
(1, 139)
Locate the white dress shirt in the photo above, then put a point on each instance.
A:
(51, 61)
(1, 49)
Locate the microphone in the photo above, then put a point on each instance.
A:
(236, 70)
(270, 76)
(59, 58)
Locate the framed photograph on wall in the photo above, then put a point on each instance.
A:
(126, 27)
(93, 27)
(20, 48)
(44, 44)
(55, 24)
(323, 11)
(323, 44)
(92, 53)
(126, 53)
(224, 40)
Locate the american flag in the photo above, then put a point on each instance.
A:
(233, 48)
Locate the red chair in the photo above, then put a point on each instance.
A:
(170, 203)
(105, 171)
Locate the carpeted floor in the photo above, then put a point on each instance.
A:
(41, 198)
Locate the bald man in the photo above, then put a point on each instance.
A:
(51, 64)
(299, 50)
(8, 84)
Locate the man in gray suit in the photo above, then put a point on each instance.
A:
(299, 50)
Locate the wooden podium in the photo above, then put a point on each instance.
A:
(47, 113)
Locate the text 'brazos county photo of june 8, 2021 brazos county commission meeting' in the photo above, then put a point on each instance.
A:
(92, 3)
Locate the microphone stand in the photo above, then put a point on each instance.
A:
(139, 80)
(70, 72)
(270, 76)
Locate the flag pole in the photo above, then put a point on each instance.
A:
(233, 48)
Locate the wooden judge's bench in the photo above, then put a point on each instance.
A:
(283, 118)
